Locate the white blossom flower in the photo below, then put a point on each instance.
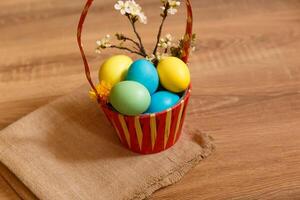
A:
(122, 7)
(173, 4)
(103, 43)
(160, 56)
(193, 48)
(132, 9)
(166, 42)
(142, 18)
(172, 11)
(151, 57)
(98, 51)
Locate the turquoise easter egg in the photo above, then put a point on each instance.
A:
(144, 72)
(130, 98)
(161, 101)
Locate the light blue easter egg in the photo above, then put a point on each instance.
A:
(161, 101)
(144, 72)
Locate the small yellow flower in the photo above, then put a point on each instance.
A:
(103, 89)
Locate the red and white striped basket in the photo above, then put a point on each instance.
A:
(147, 133)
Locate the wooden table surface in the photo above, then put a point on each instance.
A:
(246, 77)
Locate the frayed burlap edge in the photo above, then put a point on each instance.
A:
(208, 147)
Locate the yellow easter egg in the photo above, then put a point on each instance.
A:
(114, 69)
(174, 74)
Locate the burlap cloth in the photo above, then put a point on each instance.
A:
(68, 150)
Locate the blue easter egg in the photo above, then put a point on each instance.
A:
(144, 72)
(161, 101)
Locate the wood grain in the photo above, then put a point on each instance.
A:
(246, 77)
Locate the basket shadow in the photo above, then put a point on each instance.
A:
(82, 133)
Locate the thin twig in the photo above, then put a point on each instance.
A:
(135, 48)
(139, 38)
(124, 38)
(126, 49)
(133, 41)
(165, 15)
(142, 48)
(166, 50)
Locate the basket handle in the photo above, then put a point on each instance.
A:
(188, 32)
(186, 43)
(85, 62)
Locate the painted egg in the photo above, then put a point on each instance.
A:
(161, 101)
(174, 74)
(144, 72)
(130, 98)
(114, 69)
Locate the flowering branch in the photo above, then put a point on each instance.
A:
(123, 38)
(141, 46)
(169, 7)
(127, 49)
(164, 16)
(105, 43)
(164, 45)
